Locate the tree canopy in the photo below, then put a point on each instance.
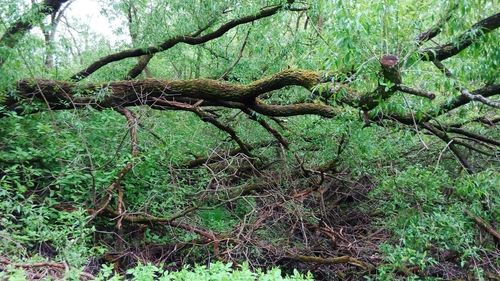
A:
(258, 131)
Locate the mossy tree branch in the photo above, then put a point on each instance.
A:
(61, 95)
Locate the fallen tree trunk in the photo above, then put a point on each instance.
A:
(60, 95)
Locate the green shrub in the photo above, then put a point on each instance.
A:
(215, 272)
(424, 209)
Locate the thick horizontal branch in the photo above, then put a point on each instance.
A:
(463, 41)
(293, 109)
(136, 92)
(171, 42)
(60, 95)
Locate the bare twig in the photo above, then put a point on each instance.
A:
(206, 117)
(52, 265)
(252, 115)
(450, 143)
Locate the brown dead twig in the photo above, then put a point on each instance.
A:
(277, 208)
(218, 157)
(273, 204)
(52, 265)
(208, 235)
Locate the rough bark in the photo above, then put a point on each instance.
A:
(59, 95)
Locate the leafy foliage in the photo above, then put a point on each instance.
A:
(216, 271)
(277, 203)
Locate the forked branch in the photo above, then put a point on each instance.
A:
(191, 39)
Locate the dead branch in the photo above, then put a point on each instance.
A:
(62, 95)
(208, 235)
(484, 225)
(234, 194)
(52, 265)
(59, 95)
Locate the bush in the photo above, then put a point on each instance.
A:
(215, 272)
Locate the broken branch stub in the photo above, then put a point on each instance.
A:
(390, 68)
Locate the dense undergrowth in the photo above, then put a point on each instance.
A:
(407, 218)
(371, 182)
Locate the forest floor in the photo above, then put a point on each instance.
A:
(319, 215)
